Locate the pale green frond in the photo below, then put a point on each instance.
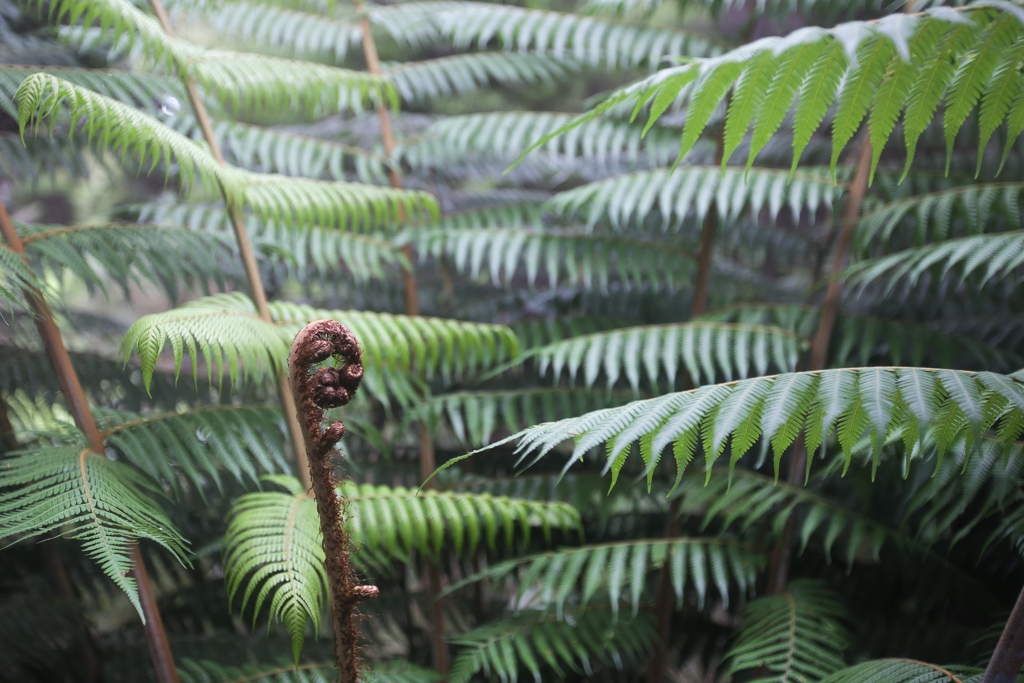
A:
(705, 350)
(417, 82)
(857, 338)
(206, 671)
(565, 258)
(171, 259)
(517, 215)
(317, 251)
(979, 261)
(107, 504)
(620, 569)
(906, 671)
(201, 444)
(627, 200)
(503, 135)
(798, 635)
(937, 216)
(474, 416)
(35, 157)
(935, 54)
(824, 399)
(579, 641)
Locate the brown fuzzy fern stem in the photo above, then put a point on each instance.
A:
(316, 391)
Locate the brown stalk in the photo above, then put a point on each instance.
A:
(438, 646)
(330, 387)
(78, 406)
(1008, 657)
(252, 271)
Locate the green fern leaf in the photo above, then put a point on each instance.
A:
(905, 671)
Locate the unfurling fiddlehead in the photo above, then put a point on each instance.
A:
(330, 387)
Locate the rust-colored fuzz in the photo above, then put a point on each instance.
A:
(316, 391)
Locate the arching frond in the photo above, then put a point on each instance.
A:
(705, 351)
(140, 136)
(979, 261)
(457, 74)
(579, 641)
(582, 260)
(272, 546)
(107, 503)
(858, 402)
(961, 56)
(797, 635)
(518, 215)
(202, 443)
(15, 276)
(502, 135)
(206, 671)
(475, 415)
(229, 335)
(630, 199)
(933, 213)
(857, 338)
(905, 671)
(168, 258)
(621, 567)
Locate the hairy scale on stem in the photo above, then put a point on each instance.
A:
(316, 391)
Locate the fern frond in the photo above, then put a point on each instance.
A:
(857, 338)
(15, 277)
(171, 259)
(935, 54)
(797, 635)
(705, 351)
(516, 215)
(857, 401)
(244, 441)
(107, 503)
(206, 671)
(503, 135)
(621, 567)
(458, 74)
(973, 207)
(228, 334)
(272, 546)
(582, 260)
(35, 157)
(980, 260)
(905, 671)
(582, 640)
(475, 415)
(630, 199)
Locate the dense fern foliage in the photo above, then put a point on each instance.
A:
(691, 333)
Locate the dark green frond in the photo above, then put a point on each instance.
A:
(582, 260)
(107, 503)
(578, 641)
(630, 199)
(906, 671)
(797, 635)
(859, 402)
(206, 671)
(621, 568)
(15, 276)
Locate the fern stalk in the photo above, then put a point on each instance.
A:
(78, 406)
(328, 388)
(441, 657)
(245, 251)
(1008, 657)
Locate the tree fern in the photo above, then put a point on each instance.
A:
(107, 503)
(856, 401)
(629, 199)
(272, 546)
(704, 350)
(583, 260)
(797, 635)
(620, 568)
(947, 53)
(583, 640)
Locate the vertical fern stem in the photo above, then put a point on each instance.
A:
(777, 575)
(439, 648)
(698, 306)
(315, 391)
(248, 256)
(78, 406)
(1008, 657)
